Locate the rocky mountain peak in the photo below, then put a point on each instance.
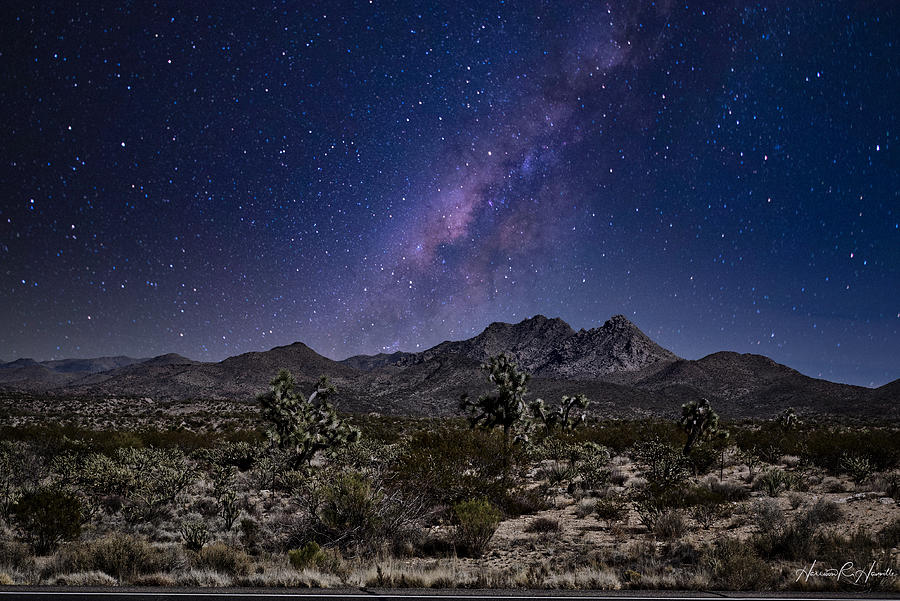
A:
(616, 346)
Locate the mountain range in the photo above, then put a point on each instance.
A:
(623, 372)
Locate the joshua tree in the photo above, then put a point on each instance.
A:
(304, 426)
(788, 420)
(561, 417)
(699, 421)
(505, 408)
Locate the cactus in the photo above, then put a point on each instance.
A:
(788, 420)
(699, 421)
(304, 426)
(506, 408)
(561, 417)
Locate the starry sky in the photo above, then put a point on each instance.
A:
(377, 176)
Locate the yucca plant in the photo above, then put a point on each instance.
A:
(304, 426)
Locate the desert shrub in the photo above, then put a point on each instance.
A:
(797, 539)
(823, 511)
(308, 556)
(556, 473)
(619, 435)
(773, 481)
(858, 467)
(889, 536)
(859, 546)
(524, 501)
(767, 516)
(93, 578)
(892, 486)
(48, 516)
(795, 499)
(453, 464)
(729, 491)
(349, 509)
(156, 579)
(664, 466)
(239, 454)
(585, 507)
(751, 457)
(194, 533)
(15, 555)
(147, 478)
(122, 556)
(826, 447)
(612, 509)
(477, 520)
(736, 566)
(651, 502)
(160, 475)
(20, 469)
(704, 457)
(618, 476)
(707, 514)
(707, 506)
(226, 494)
(224, 559)
(594, 471)
(543, 526)
(670, 524)
(354, 512)
(250, 536)
(831, 484)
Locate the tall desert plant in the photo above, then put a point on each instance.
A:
(305, 426)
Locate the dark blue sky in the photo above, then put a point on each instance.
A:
(377, 176)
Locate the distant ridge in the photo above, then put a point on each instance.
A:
(620, 368)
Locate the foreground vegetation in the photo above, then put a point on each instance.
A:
(522, 495)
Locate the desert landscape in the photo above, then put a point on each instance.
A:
(306, 486)
(353, 297)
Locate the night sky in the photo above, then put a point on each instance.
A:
(380, 176)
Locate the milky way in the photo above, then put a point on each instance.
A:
(370, 177)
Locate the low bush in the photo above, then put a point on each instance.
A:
(224, 559)
(728, 491)
(618, 476)
(524, 501)
(557, 473)
(664, 466)
(543, 526)
(308, 556)
(670, 524)
(823, 511)
(889, 536)
(858, 467)
(349, 509)
(194, 533)
(15, 555)
(122, 556)
(767, 516)
(585, 507)
(650, 502)
(594, 470)
(452, 464)
(612, 509)
(773, 481)
(735, 566)
(93, 578)
(48, 516)
(477, 520)
(707, 514)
